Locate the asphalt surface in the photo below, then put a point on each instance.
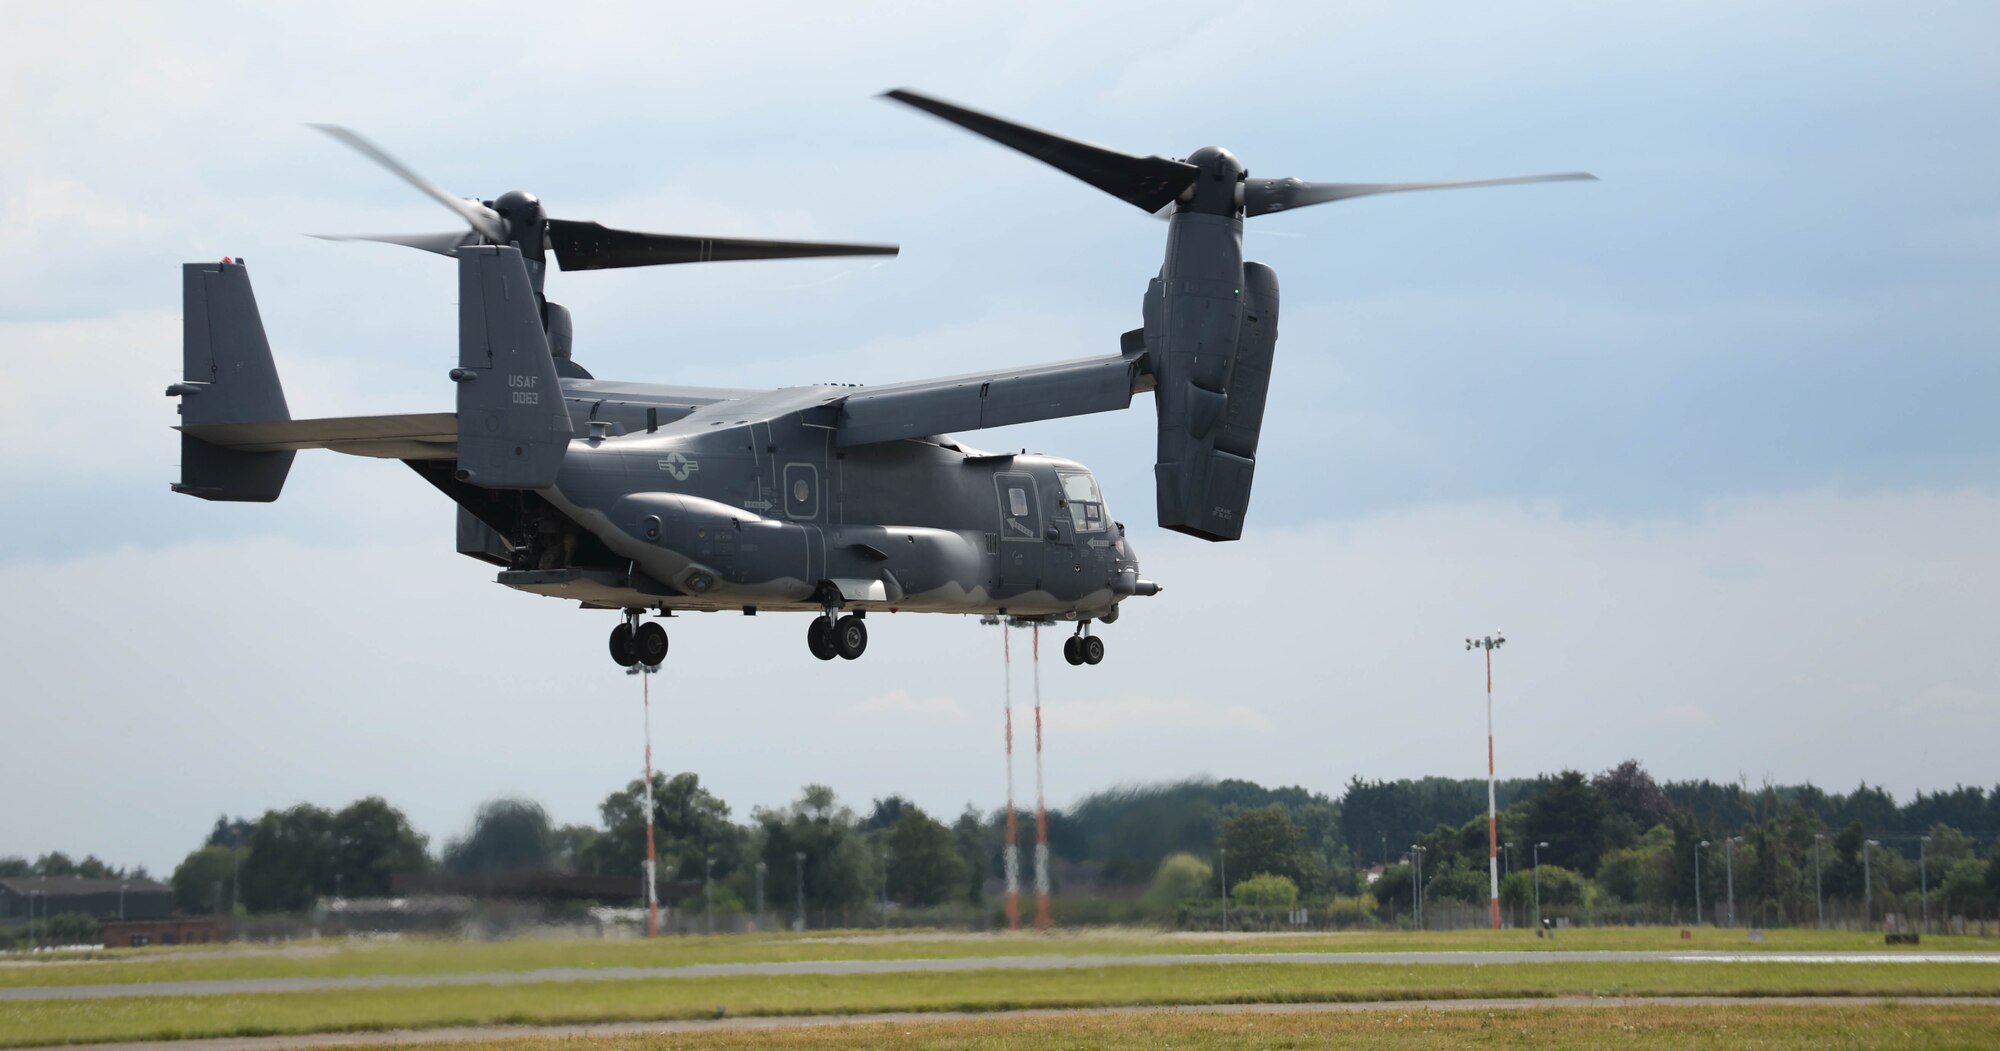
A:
(240, 986)
(463, 1034)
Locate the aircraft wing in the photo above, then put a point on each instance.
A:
(414, 436)
(993, 399)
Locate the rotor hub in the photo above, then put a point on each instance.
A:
(1215, 190)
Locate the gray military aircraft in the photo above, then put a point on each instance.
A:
(829, 499)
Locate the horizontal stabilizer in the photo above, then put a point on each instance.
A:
(413, 436)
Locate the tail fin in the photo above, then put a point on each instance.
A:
(227, 377)
(513, 427)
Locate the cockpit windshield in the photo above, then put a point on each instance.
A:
(1086, 504)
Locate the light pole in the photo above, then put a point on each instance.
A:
(1729, 869)
(761, 867)
(1490, 643)
(1697, 881)
(885, 887)
(1868, 882)
(121, 899)
(708, 892)
(1923, 872)
(1538, 887)
(1819, 895)
(1223, 853)
(800, 884)
(1417, 852)
(31, 919)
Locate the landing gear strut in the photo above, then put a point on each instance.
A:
(633, 643)
(829, 637)
(1083, 649)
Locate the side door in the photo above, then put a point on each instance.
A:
(1021, 543)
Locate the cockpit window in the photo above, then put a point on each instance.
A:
(1086, 504)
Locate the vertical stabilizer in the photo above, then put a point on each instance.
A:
(513, 427)
(227, 377)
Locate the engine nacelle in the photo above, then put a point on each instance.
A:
(1211, 332)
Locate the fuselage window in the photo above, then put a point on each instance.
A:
(1086, 504)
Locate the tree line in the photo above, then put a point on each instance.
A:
(1617, 838)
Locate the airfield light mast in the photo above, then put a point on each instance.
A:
(1012, 858)
(1041, 811)
(1490, 643)
(652, 882)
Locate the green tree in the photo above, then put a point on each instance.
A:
(977, 848)
(14, 865)
(203, 880)
(1265, 840)
(54, 863)
(1569, 815)
(1266, 893)
(1181, 877)
(924, 866)
(690, 825)
(1560, 886)
(291, 859)
(508, 835)
(825, 832)
(576, 849)
(373, 841)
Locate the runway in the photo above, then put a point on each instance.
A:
(242, 986)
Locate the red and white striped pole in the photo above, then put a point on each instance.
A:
(1012, 858)
(1041, 811)
(652, 883)
(1489, 644)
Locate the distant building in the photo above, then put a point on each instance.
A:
(105, 899)
(179, 930)
(1372, 873)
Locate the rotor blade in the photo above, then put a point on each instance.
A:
(591, 246)
(442, 244)
(1151, 183)
(1276, 195)
(478, 216)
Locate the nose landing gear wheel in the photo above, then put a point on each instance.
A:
(1073, 650)
(1093, 649)
(622, 650)
(649, 643)
(850, 636)
(819, 639)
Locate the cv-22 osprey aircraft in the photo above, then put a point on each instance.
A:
(833, 500)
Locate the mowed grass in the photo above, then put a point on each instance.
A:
(354, 957)
(143, 1018)
(1751, 1025)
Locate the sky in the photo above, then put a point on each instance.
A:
(1711, 440)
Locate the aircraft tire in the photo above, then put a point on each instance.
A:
(1093, 649)
(649, 643)
(850, 637)
(1073, 649)
(819, 639)
(622, 650)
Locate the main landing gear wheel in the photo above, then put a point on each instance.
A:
(850, 636)
(1073, 649)
(622, 650)
(1093, 649)
(650, 643)
(819, 639)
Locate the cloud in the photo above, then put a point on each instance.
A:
(1146, 716)
(898, 705)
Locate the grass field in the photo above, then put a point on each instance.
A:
(1761, 1026)
(133, 1018)
(345, 958)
